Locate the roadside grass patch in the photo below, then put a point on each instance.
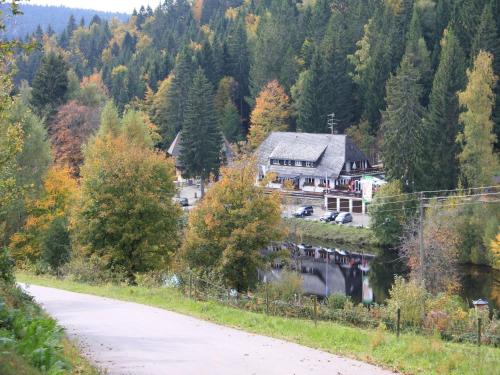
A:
(411, 353)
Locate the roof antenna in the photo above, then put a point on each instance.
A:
(332, 122)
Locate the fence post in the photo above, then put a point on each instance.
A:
(267, 300)
(229, 296)
(190, 284)
(478, 331)
(398, 327)
(315, 313)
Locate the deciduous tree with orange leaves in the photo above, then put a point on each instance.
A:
(271, 113)
(231, 225)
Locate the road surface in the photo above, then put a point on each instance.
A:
(128, 338)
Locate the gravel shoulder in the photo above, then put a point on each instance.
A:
(128, 338)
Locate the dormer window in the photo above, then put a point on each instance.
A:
(298, 163)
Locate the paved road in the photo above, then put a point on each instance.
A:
(128, 338)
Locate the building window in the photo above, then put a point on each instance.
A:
(298, 163)
(274, 162)
(309, 181)
(310, 164)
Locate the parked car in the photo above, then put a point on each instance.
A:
(329, 216)
(304, 211)
(182, 201)
(343, 218)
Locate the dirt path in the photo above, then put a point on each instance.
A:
(128, 338)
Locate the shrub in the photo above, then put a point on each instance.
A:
(287, 288)
(336, 301)
(6, 267)
(56, 245)
(151, 279)
(411, 298)
(93, 270)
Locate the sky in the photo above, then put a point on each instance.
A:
(125, 6)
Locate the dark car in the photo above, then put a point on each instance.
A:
(329, 216)
(343, 218)
(182, 201)
(304, 211)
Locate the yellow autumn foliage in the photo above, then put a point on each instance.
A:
(59, 192)
(271, 113)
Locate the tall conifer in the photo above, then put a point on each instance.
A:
(201, 138)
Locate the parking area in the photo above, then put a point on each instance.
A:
(359, 220)
(192, 193)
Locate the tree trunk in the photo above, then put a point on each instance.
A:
(202, 187)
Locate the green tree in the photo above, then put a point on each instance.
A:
(56, 244)
(477, 160)
(487, 39)
(389, 213)
(31, 165)
(402, 128)
(110, 120)
(200, 137)
(312, 107)
(176, 99)
(125, 214)
(230, 123)
(228, 229)
(50, 84)
(441, 119)
(135, 129)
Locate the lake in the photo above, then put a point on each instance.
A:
(475, 281)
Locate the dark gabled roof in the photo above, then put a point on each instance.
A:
(176, 147)
(333, 150)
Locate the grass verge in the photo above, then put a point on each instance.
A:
(411, 354)
(338, 234)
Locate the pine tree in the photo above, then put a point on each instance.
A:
(416, 50)
(441, 120)
(230, 123)
(402, 129)
(477, 160)
(487, 39)
(71, 26)
(312, 106)
(176, 99)
(201, 139)
(339, 89)
(50, 84)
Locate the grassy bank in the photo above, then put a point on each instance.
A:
(338, 234)
(410, 353)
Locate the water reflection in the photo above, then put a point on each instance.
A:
(476, 281)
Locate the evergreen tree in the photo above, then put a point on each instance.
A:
(312, 106)
(339, 89)
(487, 39)
(201, 139)
(416, 50)
(237, 63)
(71, 26)
(176, 99)
(230, 123)
(441, 120)
(402, 128)
(477, 160)
(50, 84)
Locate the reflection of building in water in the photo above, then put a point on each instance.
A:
(325, 271)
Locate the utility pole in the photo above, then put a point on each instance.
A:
(331, 122)
(421, 237)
